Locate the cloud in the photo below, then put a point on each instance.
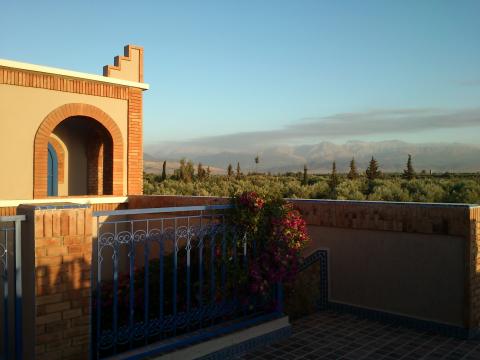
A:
(345, 125)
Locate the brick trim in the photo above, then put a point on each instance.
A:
(48, 125)
(60, 150)
(60, 83)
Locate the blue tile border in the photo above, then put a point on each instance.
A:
(249, 345)
(171, 345)
(406, 321)
(320, 256)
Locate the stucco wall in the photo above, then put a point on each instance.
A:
(417, 275)
(22, 110)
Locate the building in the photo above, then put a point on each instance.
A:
(70, 133)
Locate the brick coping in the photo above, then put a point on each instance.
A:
(73, 199)
(396, 203)
(107, 199)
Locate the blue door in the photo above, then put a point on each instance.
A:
(52, 171)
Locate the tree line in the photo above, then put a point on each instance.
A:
(370, 184)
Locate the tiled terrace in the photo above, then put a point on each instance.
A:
(330, 335)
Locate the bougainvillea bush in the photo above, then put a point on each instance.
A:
(276, 232)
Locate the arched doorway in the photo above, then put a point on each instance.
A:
(93, 151)
(89, 154)
(52, 167)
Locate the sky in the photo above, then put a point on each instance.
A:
(240, 73)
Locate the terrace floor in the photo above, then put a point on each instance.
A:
(331, 335)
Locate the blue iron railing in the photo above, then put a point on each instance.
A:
(160, 273)
(11, 286)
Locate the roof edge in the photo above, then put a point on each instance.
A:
(71, 74)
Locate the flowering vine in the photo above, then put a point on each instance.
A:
(279, 233)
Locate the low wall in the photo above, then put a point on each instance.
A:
(411, 259)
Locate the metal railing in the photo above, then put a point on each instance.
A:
(159, 273)
(11, 278)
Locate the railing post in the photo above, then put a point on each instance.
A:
(18, 291)
(4, 262)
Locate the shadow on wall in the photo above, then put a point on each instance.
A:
(62, 308)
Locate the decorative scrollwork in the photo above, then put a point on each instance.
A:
(106, 239)
(139, 236)
(106, 340)
(155, 235)
(123, 237)
(182, 232)
(123, 335)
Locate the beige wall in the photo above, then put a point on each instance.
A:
(417, 275)
(22, 110)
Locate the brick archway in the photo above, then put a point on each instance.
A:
(59, 149)
(48, 125)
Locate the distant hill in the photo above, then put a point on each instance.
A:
(391, 155)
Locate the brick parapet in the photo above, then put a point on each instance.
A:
(446, 219)
(155, 201)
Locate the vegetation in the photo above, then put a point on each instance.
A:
(409, 172)
(164, 170)
(333, 182)
(369, 185)
(353, 173)
(305, 175)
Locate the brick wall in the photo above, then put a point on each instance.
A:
(155, 201)
(95, 168)
(62, 245)
(8, 211)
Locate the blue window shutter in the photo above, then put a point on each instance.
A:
(52, 171)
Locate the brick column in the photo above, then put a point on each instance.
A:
(472, 292)
(135, 143)
(62, 245)
(95, 168)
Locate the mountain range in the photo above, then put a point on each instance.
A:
(391, 155)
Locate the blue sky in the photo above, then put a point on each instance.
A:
(257, 69)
